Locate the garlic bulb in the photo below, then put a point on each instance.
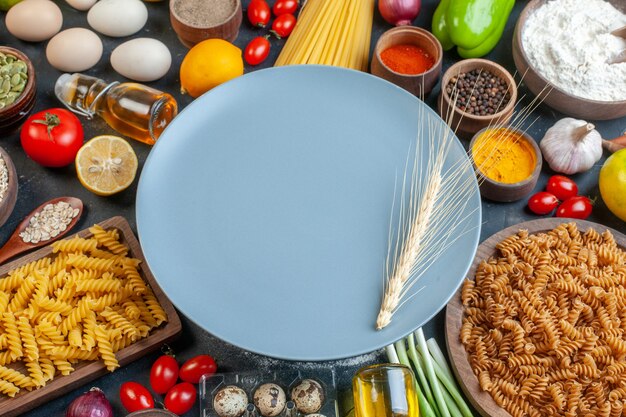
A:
(571, 146)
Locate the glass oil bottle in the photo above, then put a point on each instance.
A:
(386, 390)
(134, 110)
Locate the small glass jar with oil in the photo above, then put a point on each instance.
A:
(386, 390)
(132, 109)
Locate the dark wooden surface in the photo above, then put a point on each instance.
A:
(86, 371)
(38, 184)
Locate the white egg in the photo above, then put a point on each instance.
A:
(118, 18)
(34, 20)
(74, 50)
(142, 59)
(81, 4)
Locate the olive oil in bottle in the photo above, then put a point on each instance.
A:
(132, 109)
(386, 390)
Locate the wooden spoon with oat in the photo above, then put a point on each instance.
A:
(47, 223)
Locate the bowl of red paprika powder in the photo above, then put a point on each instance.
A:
(410, 57)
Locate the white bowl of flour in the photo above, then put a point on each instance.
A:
(563, 52)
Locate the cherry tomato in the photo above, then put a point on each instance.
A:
(285, 7)
(562, 187)
(194, 368)
(283, 25)
(578, 207)
(52, 137)
(164, 374)
(180, 398)
(259, 13)
(257, 50)
(135, 396)
(542, 202)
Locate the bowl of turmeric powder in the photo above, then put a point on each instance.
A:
(410, 57)
(507, 162)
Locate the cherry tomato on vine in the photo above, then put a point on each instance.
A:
(52, 137)
(257, 50)
(194, 368)
(285, 7)
(163, 374)
(180, 398)
(135, 396)
(578, 207)
(542, 202)
(283, 25)
(259, 13)
(562, 187)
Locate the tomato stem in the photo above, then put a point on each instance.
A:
(51, 121)
(167, 350)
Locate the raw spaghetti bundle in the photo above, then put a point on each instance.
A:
(331, 32)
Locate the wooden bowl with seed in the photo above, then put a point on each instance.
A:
(467, 124)
(8, 186)
(197, 20)
(17, 88)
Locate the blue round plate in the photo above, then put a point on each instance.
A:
(263, 211)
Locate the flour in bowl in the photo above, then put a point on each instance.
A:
(569, 43)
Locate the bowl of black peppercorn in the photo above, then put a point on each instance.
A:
(476, 93)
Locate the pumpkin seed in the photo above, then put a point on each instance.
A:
(11, 97)
(16, 79)
(6, 85)
(23, 76)
(2, 104)
(19, 87)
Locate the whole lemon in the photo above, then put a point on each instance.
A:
(613, 183)
(209, 64)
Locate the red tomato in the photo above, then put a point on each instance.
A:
(257, 50)
(180, 398)
(164, 374)
(542, 202)
(135, 396)
(259, 13)
(285, 7)
(562, 187)
(194, 368)
(283, 25)
(578, 207)
(52, 137)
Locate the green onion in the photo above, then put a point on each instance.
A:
(430, 371)
(420, 373)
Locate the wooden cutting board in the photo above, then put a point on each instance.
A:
(85, 371)
(480, 399)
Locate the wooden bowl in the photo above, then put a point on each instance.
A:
(553, 96)
(419, 84)
(504, 192)
(10, 197)
(190, 34)
(467, 124)
(12, 115)
(482, 400)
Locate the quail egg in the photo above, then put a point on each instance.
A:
(230, 401)
(269, 399)
(308, 396)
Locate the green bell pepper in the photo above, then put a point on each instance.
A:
(474, 26)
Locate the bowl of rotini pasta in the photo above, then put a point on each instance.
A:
(538, 327)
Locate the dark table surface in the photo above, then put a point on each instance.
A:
(38, 184)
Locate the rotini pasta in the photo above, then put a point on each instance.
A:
(550, 339)
(86, 301)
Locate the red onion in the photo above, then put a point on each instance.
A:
(399, 12)
(91, 404)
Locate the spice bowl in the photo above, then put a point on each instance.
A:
(507, 162)
(8, 189)
(221, 19)
(553, 96)
(417, 84)
(463, 122)
(11, 115)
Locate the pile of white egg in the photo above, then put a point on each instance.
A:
(79, 49)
